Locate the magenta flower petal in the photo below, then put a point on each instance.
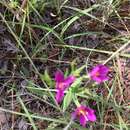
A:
(104, 69)
(84, 114)
(59, 96)
(61, 84)
(100, 79)
(91, 116)
(59, 76)
(69, 80)
(74, 115)
(94, 71)
(57, 85)
(83, 120)
(99, 73)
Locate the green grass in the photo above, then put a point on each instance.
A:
(43, 32)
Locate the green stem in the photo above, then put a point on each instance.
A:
(75, 99)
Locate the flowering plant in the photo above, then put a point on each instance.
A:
(84, 114)
(62, 84)
(99, 74)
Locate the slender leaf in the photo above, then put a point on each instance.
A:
(67, 100)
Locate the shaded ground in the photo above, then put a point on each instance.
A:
(49, 53)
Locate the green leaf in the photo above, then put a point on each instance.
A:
(73, 65)
(77, 82)
(33, 89)
(47, 78)
(75, 18)
(84, 91)
(27, 112)
(78, 71)
(37, 91)
(67, 100)
(66, 72)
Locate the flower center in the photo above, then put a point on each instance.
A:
(61, 85)
(82, 112)
(97, 74)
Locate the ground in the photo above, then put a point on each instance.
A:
(38, 37)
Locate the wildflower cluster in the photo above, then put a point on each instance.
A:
(98, 74)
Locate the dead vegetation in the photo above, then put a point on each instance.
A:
(33, 38)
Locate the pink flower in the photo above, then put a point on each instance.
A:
(62, 84)
(84, 114)
(99, 73)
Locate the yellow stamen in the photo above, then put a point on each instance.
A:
(83, 112)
